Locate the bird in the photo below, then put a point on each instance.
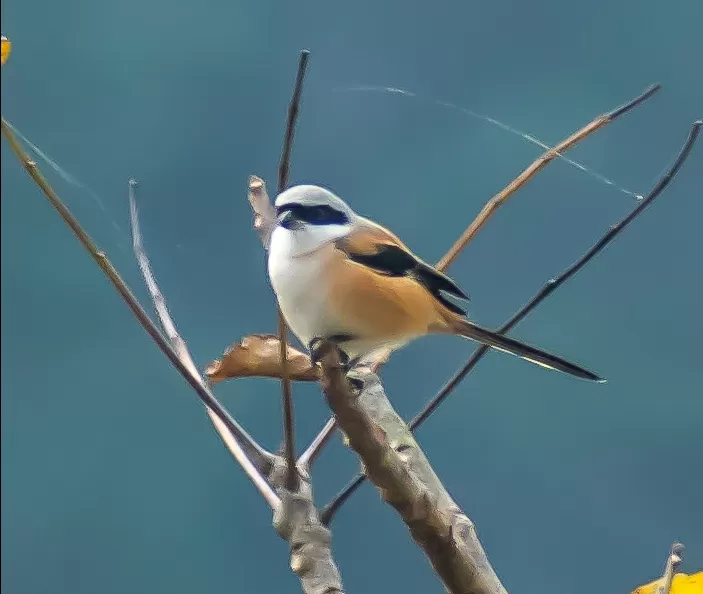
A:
(343, 278)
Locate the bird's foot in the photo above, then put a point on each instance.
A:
(346, 363)
(315, 348)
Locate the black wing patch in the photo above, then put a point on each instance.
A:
(392, 260)
(389, 260)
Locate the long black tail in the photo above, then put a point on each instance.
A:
(499, 342)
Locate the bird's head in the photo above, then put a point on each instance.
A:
(308, 206)
(309, 217)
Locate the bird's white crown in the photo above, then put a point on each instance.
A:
(311, 195)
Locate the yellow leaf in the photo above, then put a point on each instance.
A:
(681, 584)
(6, 49)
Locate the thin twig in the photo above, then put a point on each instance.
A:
(308, 457)
(283, 169)
(259, 457)
(328, 512)
(549, 287)
(554, 283)
(233, 437)
(501, 197)
(292, 120)
(313, 450)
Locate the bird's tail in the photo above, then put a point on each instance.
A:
(467, 329)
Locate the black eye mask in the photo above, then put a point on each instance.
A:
(313, 214)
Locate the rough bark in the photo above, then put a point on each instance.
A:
(397, 466)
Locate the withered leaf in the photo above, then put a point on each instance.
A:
(258, 355)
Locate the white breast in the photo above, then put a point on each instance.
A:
(297, 280)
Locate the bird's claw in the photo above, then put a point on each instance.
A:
(345, 362)
(315, 348)
(316, 353)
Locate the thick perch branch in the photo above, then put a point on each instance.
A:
(397, 466)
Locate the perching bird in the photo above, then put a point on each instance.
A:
(343, 278)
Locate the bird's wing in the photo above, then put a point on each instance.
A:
(383, 252)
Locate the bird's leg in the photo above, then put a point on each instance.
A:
(314, 348)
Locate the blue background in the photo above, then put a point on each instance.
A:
(112, 478)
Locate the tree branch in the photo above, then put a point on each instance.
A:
(554, 283)
(405, 479)
(298, 522)
(551, 286)
(259, 460)
(295, 517)
(241, 445)
(501, 197)
(283, 169)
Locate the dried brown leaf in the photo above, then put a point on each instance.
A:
(258, 355)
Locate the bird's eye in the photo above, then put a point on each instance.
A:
(319, 213)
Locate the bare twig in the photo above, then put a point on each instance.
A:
(283, 169)
(551, 286)
(310, 454)
(241, 445)
(330, 510)
(292, 119)
(259, 458)
(287, 397)
(491, 206)
(295, 517)
(500, 198)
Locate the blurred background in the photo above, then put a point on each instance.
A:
(113, 480)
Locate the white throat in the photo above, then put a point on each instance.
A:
(296, 265)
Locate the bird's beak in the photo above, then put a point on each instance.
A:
(288, 221)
